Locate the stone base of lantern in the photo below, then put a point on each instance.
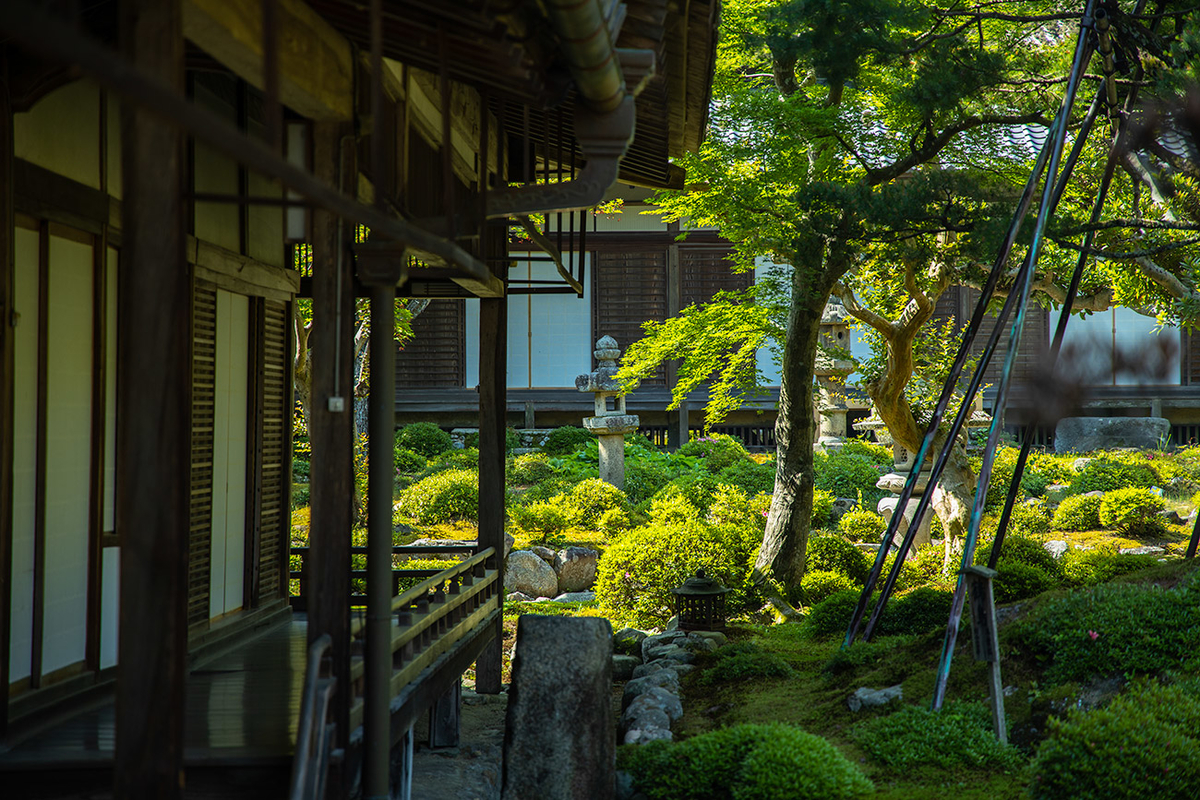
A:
(612, 459)
(887, 507)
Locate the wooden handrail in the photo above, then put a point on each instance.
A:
(314, 734)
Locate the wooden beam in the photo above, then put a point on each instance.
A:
(153, 455)
(241, 274)
(493, 354)
(7, 278)
(315, 64)
(331, 433)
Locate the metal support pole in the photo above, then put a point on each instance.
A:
(380, 460)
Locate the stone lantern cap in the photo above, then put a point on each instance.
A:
(603, 383)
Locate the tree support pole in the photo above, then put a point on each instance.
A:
(153, 462)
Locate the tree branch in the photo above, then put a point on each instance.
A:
(864, 315)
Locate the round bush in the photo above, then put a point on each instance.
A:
(1142, 745)
(749, 476)
(1022, 550)
(718, 451)
(746, 762)
(638, 571)
(820, 584)
(425, 438)
(832, 615)
(696, 487)
(672, 509)
(1106, 474)
(529, 469)
(549, 520)
(409, 461)
(877, 454)
(592, 497)
(1018, 581)
(1029, 518)
(822, 504)
(1077, 513)
(447, 495)
(846, 474)
(1132, 511)
(643, 479)
(957, 736)
(1092, 567)
(919, 611)
(861, 525)
(564, 440)
(743, 661)
(835, 554)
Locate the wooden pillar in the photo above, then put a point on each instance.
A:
(6, 382)
(331, 432)
(153, 447)
(677, 421)
(493, 375)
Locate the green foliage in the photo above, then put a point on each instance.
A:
(638, 571)
(612, 522)
(846, 474)
(874, 452)
(745, 762)
(1107, 474)
(529, 469)
(1143, 744)
(565, 439)
(1028, 518)
(409, 461)
(740, 662)
(548, 520)
(820, 584)
(717, 451)
(822, 504)
(512, 440)
(922, 610)
(1079, 512)
(643, 479)
(424, 438)
(1101, 565)
(730, 506)
(695, 487)
(466, 458)
(444, 496)
(960, 735)
(861, 525)
(1114, 629)
(590, 499)
(1018, 581)
(1022, 550)
(832, 615)
(749, 476)
(1132, 511)
(833, 553)
(672, 509)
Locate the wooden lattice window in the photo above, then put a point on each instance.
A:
(436, 355)
(630, 288)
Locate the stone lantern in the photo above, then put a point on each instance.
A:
(831, 372)
(610, 423)
(700, 603)
(902, 462)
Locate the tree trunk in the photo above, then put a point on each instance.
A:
(782, 555)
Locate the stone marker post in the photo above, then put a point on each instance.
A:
(610, 424)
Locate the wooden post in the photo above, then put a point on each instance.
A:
(985, 638)
(7, 279)
(153, 455)
(331, 432)
(493, 353)
(444, 718)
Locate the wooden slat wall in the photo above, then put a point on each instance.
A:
(436, 355)
(630, 288)
(704, 271)
(1190, 358)
(204, 342)
(275, 419)
(959, 303)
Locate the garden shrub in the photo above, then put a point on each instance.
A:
(529, 469)
(960, 735)
(718, 451)
(1132, 511)
(1101, 565)
(564, 440)
(1077, 513)
(846, 474)
(466, 458)
(876, 453)
(1034, 483)
(861, 525)
(731, 506)
(1023, 550)
(512, 439)
(749, 476)
(1113, 629)
(547, 489)
(922, 610)
(1108, 473)
(740, 662)
(745, 762)
(425, 438)
(638, 571)
(831, 552)
(819, 584)
(1029, 518)
(1055, 468)
(590, 498)
(613, 522)
(832, 615)
(672, 509)
(1003, 467)
(409, 461)
(1017, 581)
(1143, 744)
(549, 520)
(696, 487)
(447, 495)
(822, 504)
(644, 478)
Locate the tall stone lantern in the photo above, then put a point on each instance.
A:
(893, 482)
(831, 373)
(610, 423)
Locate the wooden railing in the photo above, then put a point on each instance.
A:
(299, 601)
(315, 733)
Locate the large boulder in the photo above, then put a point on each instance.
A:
(576, 568)
(1086, 434)
(527, 573)
(558, 738)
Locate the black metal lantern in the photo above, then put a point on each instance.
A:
(700, 603)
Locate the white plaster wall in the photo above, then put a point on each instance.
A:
(110, 591)
(68, 452)
(24, 452)
(229, 454)
(1091, 341)
(62, 133)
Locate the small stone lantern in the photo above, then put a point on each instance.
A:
(830, 372)
(700, 603)
(609, 424)
(893, 482)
